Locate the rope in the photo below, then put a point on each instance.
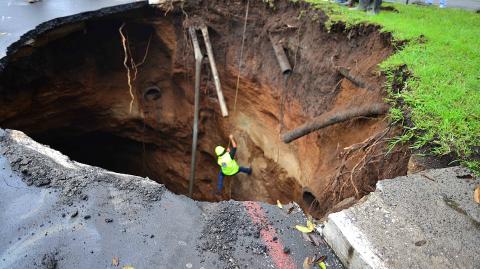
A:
(241, 56)
(238, 81)
(228, 185)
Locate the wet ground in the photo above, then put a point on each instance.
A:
(56, 211)
(18, 17)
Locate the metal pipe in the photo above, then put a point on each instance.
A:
(216, 78)
(281, 57)
(198, 69)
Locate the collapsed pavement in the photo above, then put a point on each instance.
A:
(57, 211)
(65, 85)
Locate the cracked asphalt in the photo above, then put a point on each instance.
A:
(57, 212)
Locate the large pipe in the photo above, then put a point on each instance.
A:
(216, 78)
(198, 69)
(281, 57)
(328, 119)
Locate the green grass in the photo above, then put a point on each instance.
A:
(443, 54)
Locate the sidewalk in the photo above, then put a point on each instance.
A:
(464, 4)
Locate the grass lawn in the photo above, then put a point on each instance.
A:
(443, 54)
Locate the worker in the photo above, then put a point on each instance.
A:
(229, 166)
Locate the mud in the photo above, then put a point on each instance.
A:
(68, 88)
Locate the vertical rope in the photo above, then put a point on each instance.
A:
(241, 56)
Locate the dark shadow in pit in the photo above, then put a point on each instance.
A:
(100, 149)
(69, 89)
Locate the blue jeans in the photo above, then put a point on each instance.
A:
(221, 176)
(441, 2)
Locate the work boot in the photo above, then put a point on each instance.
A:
(249, 172)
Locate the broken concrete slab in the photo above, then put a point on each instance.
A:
(133, 220)
(425, 220)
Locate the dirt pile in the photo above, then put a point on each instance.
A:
(68, 89)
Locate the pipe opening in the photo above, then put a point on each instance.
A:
(72, 94)
(287, 72)
(152, 93)
(309, 200)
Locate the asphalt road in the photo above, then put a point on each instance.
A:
(17, 17)
(56, 211)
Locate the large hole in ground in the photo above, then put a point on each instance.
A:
(68, 88)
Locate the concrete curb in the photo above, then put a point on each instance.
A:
(425, 220)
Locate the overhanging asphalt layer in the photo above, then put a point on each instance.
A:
(21, 21)
(57, 211)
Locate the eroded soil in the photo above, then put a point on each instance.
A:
(68, 88)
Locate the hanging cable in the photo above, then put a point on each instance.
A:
(241, 56)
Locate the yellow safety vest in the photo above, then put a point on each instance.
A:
(229, 166)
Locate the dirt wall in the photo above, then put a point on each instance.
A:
(72, 94)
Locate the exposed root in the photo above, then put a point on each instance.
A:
(132, 62)
(128, 58)
(314, 204)
(125, 61)
(168, 6)
(144, 58)
(367, 146)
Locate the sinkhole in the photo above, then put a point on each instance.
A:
(67, 87)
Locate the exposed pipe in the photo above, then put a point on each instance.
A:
(346, 73)
(328, 119)
(198, 69)
(281, 57)
(216, 78)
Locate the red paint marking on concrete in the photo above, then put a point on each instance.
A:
(275, 248)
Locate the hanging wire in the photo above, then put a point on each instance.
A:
(241, 56)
